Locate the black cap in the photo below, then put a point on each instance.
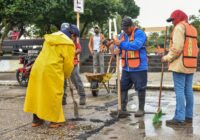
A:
(169, 19)
(126, 22)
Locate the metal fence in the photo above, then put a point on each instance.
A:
(9, 46)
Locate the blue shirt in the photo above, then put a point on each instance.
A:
(137, 44)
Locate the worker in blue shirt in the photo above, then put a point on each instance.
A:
(131, 47)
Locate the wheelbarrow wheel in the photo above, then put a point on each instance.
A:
(94, 88)
(95, 93)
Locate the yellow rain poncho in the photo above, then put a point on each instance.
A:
(46, 84)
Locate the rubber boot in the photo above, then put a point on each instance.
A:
(82, 100)
(141, 99)
(123, 112)
(124, 101)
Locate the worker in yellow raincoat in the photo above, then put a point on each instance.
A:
(45, 88)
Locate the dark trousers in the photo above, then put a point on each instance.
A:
(76, 80)
(36, 119)
(128, 79)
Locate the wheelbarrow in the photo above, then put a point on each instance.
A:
(96, 78)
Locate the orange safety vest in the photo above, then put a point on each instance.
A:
(190, 50)
(133, 57)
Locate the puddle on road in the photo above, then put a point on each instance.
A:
(145, 126)
(132, 107)
(162, 129)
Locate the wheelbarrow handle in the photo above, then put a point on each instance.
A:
(109, 63)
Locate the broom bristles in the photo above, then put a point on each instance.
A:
(157, 117)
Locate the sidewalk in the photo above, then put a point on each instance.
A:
(8, 68)
(8, 79)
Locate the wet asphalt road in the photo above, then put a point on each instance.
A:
(95, 123)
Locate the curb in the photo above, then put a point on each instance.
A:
(12, 71)
(9, 83)
(87, 85)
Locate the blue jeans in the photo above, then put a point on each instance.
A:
(184, 96)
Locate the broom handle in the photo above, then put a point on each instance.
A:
(162, 69)
(118, 84)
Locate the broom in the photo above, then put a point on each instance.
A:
(158, 115)
(74, 101)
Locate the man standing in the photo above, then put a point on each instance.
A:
(182, 58)
(75, 76)
(14, 34)
(131, 46)
(97, 50)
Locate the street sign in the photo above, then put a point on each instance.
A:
(79, 6)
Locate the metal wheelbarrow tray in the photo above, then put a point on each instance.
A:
(95, 78)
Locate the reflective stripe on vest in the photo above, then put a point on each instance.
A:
(132, 57)
(190, 50)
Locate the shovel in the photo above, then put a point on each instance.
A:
(118, 88)
(76, 114)
(158, 115)
(119, 113)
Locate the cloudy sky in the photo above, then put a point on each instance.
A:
(155, 12)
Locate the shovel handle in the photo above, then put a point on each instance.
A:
(118, 84)
(71, 90)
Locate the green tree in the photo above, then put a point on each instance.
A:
(153, 39)
(129, 8)
(19, 13)
(47, 15)
(95, 12)
(98, 12)
(195, 20)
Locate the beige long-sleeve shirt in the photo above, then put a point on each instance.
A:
(175, 55)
